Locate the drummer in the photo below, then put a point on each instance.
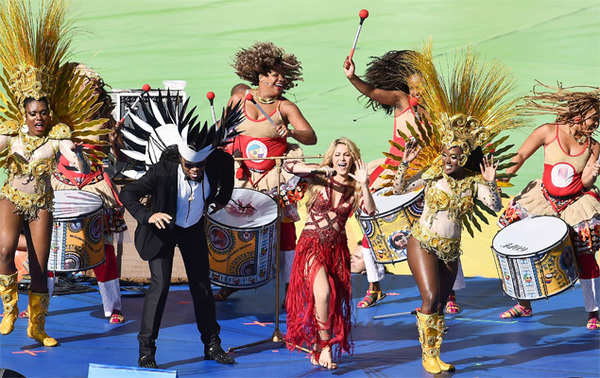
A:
(272, 71)
(97, 181)
(566, 189)
(386, 88)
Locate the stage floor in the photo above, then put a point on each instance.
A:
(553, 343)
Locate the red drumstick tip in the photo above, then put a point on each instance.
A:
(413, 101)
(363, 14)
(210, 95)
(146, 87)
(249, 97)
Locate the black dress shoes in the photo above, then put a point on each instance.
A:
(147, 361)
(213, 351)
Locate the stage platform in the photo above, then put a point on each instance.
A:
(552, 343)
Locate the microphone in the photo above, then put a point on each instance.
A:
(321, 172)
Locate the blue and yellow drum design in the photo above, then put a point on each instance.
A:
(242, 240)
(77, 241)
(388, 231)
(535, 258)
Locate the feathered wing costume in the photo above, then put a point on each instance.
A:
(468, 108)
(168, 124)
(33, 51)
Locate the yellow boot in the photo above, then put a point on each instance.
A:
(428, 334)
(441, 327)
(10, 295)
(38, 306)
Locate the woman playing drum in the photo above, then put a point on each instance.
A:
(40, 96)
(392, 84)
(464, 121)
(567, 186)
(272, 71)
(98, 182)
(319, 295)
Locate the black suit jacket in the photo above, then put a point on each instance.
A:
(160, 182)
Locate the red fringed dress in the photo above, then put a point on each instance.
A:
(323, 243)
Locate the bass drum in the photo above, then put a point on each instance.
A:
(535, 258)
(388, 230)
(77, 232)
(242, 240)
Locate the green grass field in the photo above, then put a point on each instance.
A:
(131, 43)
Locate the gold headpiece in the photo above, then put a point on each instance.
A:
(466, 108)
(33, 51)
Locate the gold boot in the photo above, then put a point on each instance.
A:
(427, 336)
(10, 295)
(441, 327)
(38, 306)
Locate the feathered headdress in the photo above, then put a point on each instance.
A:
(167, 124)
(466, 108)
(33, 50)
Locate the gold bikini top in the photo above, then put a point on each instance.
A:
(455, 202)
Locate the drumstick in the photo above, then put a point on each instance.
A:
(211, 96)
(145, 89)
(392, 315)
(363, 14)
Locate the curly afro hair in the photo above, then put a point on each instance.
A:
(264, 57)
(389, 71)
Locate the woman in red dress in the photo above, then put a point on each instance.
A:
(319, 294)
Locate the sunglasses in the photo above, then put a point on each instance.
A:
(189, 165)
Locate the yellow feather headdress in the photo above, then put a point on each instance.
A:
(34, 47)
(468, 107)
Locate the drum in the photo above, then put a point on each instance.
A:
(388, 231)
(77, 232)
(535, 258)
(242, 240)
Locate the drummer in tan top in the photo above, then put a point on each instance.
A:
(272, 71)
(566, 189)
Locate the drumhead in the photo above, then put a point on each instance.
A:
(530, 236)
(264, 210)
(385, 204)
(72, 204)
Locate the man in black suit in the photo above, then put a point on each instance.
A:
(190, 177)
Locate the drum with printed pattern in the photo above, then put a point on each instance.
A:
(242, 240)
(77, 231)
(535, 257)
(388, 230)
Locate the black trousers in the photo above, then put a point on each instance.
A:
(194, 251)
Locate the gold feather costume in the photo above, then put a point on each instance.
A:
(469, 109)
(33, 51)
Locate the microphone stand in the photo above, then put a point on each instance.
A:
(277, 337)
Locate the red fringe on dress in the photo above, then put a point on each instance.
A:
(329, 249)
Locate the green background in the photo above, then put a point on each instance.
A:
(134, 42)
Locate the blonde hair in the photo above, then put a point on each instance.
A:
(327, 161)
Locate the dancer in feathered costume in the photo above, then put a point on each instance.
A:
(44, 110)
(566, 189)
(467, 110)
(393, 85)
